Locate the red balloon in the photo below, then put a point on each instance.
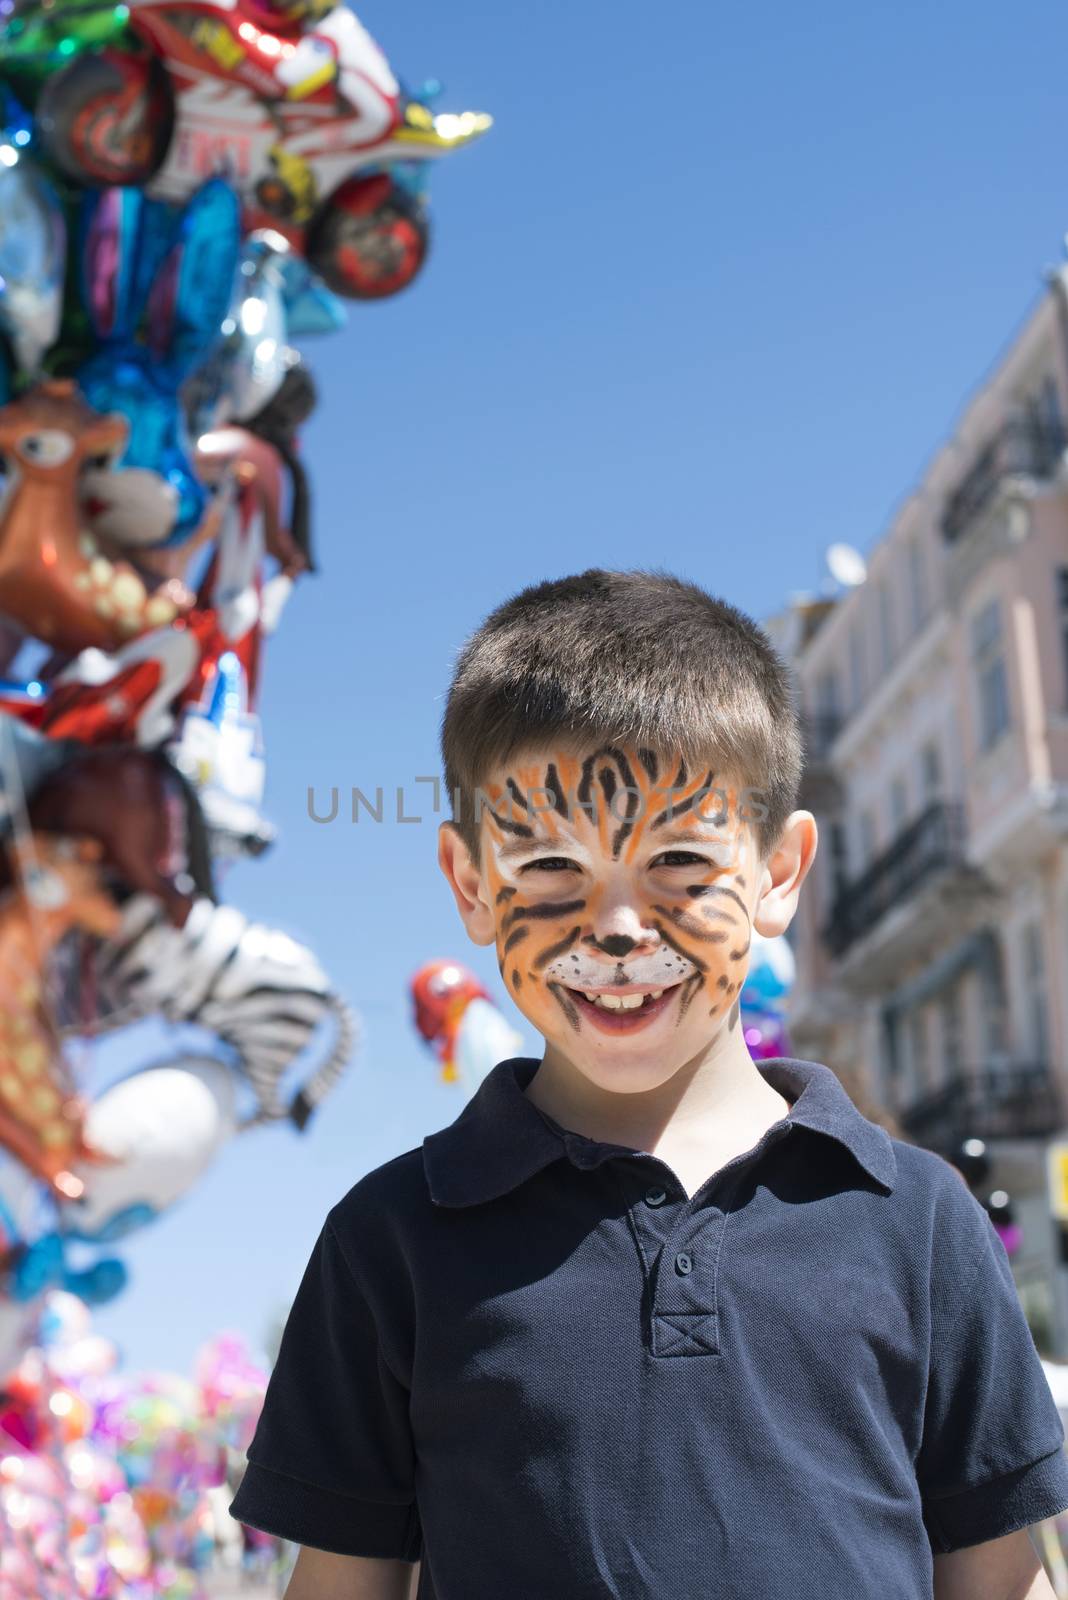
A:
(437, 989)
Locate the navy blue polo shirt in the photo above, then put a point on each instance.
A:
(526, 1358)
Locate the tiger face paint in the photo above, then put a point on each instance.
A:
(622, 891)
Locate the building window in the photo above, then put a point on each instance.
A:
(917, 585)
(886, 625)
(1052, 415)
(1036, 1008)
(988, 659)
(1062, 619)
(952, 1031)
(856, 664)
(839, 873)
(899, 804)
(931, 772)
(918, 1062)
(828, 695)
(867, 839)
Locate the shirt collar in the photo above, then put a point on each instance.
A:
(501, 1138)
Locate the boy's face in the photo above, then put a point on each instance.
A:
(620, 893)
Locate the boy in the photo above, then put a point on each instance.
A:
(648, 1321)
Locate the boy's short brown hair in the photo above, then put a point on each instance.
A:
(639, 658)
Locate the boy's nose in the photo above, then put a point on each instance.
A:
(621, 937)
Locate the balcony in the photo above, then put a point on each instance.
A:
(916, 895)
(1019, 1101)
(1028, 447)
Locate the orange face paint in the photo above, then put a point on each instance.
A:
(620, 875)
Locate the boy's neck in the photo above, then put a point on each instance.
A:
(713, 1109)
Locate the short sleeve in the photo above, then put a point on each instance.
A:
(992, 1458)
(331, 1463)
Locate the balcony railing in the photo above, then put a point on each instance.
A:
(930, 844)
(1009, 1102)
(819, 730)
(1027, 445)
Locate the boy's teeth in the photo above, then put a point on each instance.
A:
(623, 1002)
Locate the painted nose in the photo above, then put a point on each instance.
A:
(616, 944)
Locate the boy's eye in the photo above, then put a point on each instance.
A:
(681, 858)
(552, 863)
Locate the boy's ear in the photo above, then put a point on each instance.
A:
(465, 881)
(784, 872)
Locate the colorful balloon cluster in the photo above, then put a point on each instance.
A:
(111, 1484)
(768, 982)
(187, 189)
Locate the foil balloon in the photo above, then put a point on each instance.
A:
(771, 971)
(483, 1038)
(163, 1126)
(454, 1013)
(33, 243)
(170, 272)
(57, 580)
(41, 1117)
(249, 362)
(369, 239)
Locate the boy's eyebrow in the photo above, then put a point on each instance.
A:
(689, 836)
(511, 848)
(519, 847)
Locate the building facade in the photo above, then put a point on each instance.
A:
(932, 937)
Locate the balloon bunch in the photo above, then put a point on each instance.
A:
(455, 1015)
(768, 982)
(187, 187)
(109, 1483)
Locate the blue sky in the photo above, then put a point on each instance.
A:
(706, 298)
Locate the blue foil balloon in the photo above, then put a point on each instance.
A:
(157, 281)
(771, 972)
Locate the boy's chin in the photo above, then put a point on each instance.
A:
(625, 1071)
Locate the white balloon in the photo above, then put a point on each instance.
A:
(165, 1124)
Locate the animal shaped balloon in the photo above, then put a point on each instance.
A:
(163, 1127)
(56, 581)
(41, 1116)
(455, 1014)
(157, 283)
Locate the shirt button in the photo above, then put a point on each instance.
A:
(655, 1197)
(683, 1263)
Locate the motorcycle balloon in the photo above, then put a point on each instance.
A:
(108, 118)
(33, 247)
(369, 239)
